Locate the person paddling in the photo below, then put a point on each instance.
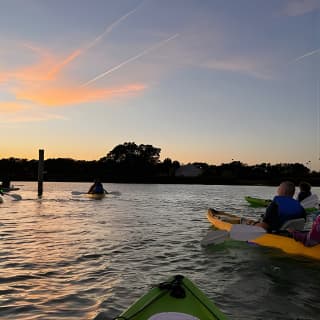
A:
(5, 183)
(282, 208)
(306, 198)
(97, 187)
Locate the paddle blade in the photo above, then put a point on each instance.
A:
(115, 193)
(14, 196)
(245, 232)
(77, 193)
(215, 237)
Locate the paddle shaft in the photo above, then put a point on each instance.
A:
(79, 193)
(239, 232)
(14, 196)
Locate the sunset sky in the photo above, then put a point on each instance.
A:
(204, 80)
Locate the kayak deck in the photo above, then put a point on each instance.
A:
(8, 189)
(177, 298)
(257, 202)
(284, 243)
(96, 196)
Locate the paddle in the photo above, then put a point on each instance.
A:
(215, 237)
(78, 193)
(14, 196)
(240, 232)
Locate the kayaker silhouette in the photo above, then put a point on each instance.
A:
(97, 187)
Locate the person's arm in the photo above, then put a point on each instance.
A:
(91, 188)
(270, 220)
(262, 225)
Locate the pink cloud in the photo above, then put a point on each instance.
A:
(12, 106)
(46, 68)
(301, 7)
(59, 66)
(31, 117)
(43, 83)
(240, 65)
(54, 96)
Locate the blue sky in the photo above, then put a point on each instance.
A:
(206, 81)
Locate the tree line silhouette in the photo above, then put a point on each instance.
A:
(132, 163)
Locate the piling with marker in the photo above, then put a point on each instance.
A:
(40, 172)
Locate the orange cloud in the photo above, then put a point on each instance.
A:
(3, 77)
(62, 96)
(31, 117)
(47, 69)
(12, 106)
(43, 84)
(49, 66)
(57, 68)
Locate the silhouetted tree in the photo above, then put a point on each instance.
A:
(129, 162)
(130, 151)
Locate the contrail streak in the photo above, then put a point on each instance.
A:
(93, 43)
(144, 52)
(307, 55)
(110, 28)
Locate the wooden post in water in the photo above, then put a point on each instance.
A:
(40, 172)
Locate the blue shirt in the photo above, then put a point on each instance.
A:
(282, 209)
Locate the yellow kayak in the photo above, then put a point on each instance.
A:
(225, 221)
(96, 196)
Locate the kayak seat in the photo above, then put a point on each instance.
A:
(296, 224)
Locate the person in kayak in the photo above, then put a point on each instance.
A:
(306, 197)
(97, 188)
(311, 238)
(282, 208)
(305, 191)
(5, 183)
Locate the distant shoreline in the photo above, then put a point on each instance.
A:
(130, 163)
(185, 180)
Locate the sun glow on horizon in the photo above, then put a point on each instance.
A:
(205, 85)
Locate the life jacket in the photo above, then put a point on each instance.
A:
(310, 202)
(303, 194)
(288, 208)
(98, 188)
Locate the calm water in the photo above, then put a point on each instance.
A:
(68, 257)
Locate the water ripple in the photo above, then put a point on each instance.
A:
(69, 257)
